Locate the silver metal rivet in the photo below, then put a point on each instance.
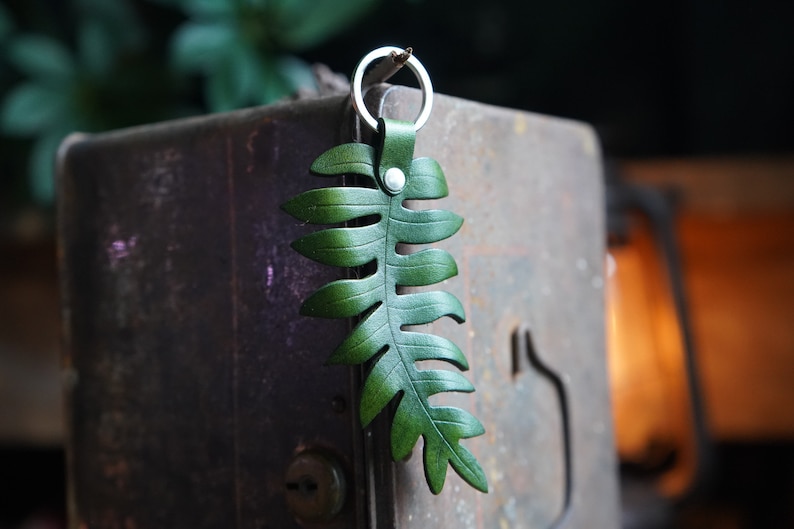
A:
(394, 180)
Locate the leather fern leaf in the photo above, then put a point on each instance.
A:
(380, 338)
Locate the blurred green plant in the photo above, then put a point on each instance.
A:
(65, 88)
(246, 48)
(106, 65)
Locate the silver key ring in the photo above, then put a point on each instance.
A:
(356, 92)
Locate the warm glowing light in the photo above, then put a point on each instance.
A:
(650, 399)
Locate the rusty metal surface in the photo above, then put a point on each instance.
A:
(194, 379)
(530, 255)
(193, 382)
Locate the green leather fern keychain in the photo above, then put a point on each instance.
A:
(380, 340)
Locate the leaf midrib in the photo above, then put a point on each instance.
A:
(387, 295)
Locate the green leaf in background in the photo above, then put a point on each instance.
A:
(265, 82)
(306, 23)
(202, 46)
(96, 47)
(381, 339)
(117, 17)
(296, 72)
(241, 76)
(42, 166)
(42, 57)
(32, 108)
(220, 90)
(207, 8)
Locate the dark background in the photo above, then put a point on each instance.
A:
(656, 78)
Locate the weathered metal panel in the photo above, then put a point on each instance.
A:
(193, 382)
(530, 255)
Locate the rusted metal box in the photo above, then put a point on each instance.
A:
(193, 383)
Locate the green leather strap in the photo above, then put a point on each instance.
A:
(397, 140)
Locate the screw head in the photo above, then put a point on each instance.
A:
(394, 179)
(314, 487)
